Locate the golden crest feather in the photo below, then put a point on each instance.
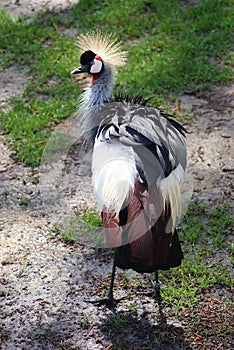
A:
(106, 46)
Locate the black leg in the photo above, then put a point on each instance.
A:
(110, 296)
(155, 292)
(156, 276)
(156, 286)
(157, 295)
(109, 299)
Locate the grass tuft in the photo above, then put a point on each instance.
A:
(208, 256)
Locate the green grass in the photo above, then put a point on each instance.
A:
(208, 256)
(116, 321)
(173, 47)
(84, 322)
(3, 334)
(90, 218)
(68, 233)
(24, 201)
(84, 227)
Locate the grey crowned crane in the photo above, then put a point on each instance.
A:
(138, 163)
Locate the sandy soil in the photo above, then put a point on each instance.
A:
(44, 283)
(27, 7)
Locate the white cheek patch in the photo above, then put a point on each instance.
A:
(96, 67)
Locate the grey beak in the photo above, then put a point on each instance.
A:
(82, 69)
(77, 70)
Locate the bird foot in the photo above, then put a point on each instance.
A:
(152, 293)
(155, 292)
(108, 301)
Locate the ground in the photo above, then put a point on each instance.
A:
(45, 283)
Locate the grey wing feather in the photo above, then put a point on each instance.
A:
(157, 140)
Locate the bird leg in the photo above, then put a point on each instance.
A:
(109, 299)
(156, 286)
(155, 292)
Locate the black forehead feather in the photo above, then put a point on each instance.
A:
(87, 57)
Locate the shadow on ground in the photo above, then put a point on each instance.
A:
(125, 330)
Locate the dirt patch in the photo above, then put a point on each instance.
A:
(17, 8)
(211, 142)
(12, 82)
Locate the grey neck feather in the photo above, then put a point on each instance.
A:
(101, 90)
(92, 100)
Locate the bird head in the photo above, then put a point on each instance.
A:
(99, 51)
(90, 63)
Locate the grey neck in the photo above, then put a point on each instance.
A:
(92, 100)
(101, 90)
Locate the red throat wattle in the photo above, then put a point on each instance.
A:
(94, 78)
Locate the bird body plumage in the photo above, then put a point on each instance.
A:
(138, 163)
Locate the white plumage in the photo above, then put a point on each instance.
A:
(170, 188)
(114, 175)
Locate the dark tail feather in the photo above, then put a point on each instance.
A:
(166, 254)
(175, 255)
